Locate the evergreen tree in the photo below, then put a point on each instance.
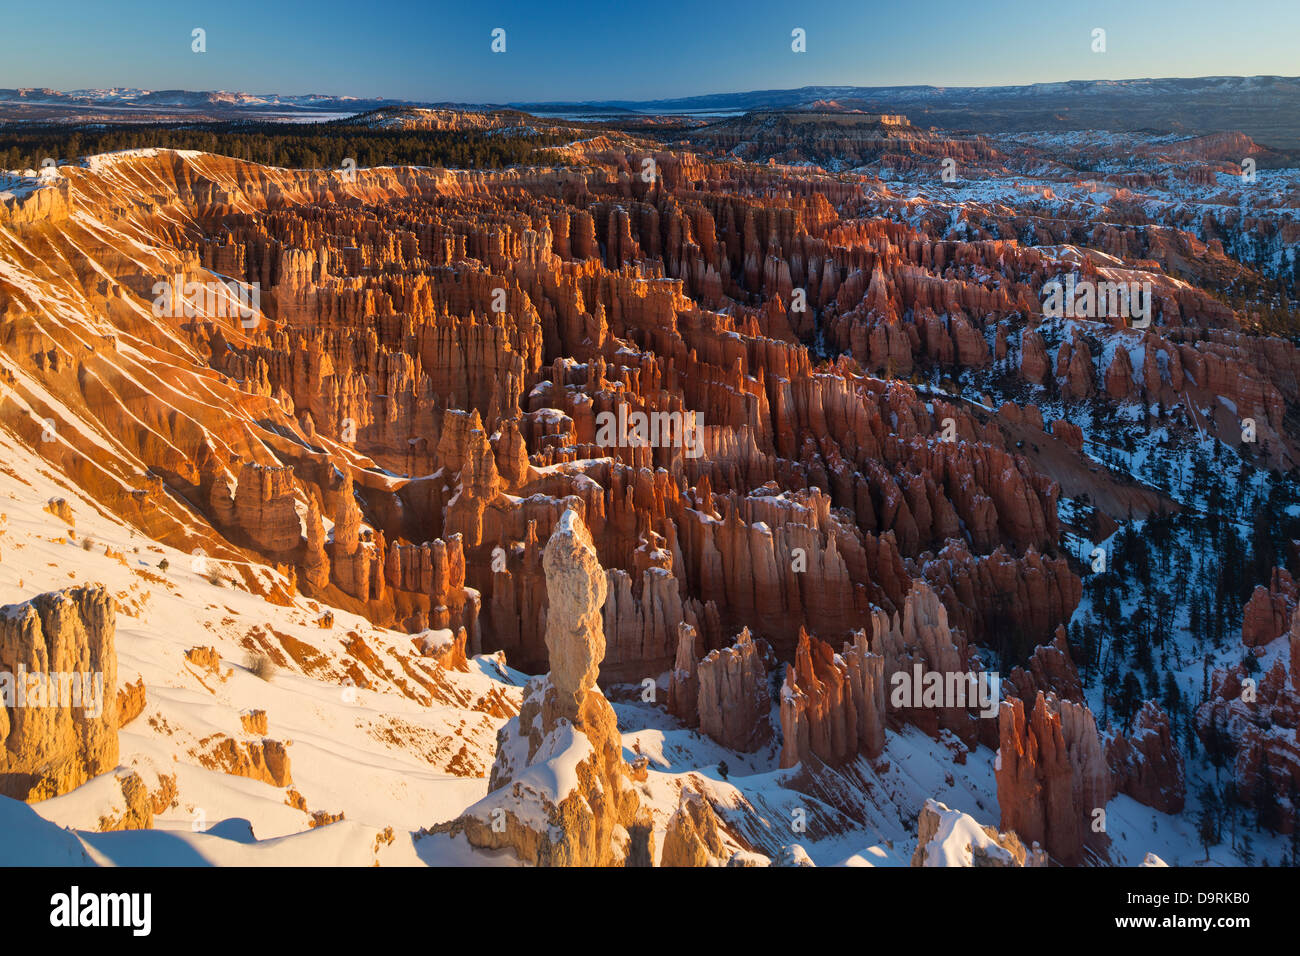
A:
(1266, 809)
(1207, 827)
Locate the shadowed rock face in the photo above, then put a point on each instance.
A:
(1147, 765)
(1052, 776)
(52, 740)
(733, 701)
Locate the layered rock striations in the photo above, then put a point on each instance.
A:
(58, 687)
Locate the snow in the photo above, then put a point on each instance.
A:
(958, 833)
(380, 754)
(28, 839)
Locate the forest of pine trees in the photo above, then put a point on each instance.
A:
(1191, 573)
(304, 146)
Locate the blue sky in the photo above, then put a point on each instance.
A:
(624, 49)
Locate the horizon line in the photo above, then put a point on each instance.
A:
(661, 99)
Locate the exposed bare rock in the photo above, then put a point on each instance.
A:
(1068, 432)
(1269, 610)
(205, 658)
(684, 679)
(130, 702)
(264, 508)
(923, 638)
(316, 568)
(692, 837)
(866, 675)
(444, 646)
(1051, 670)
(1051, 775)
(1147, 765)
(733, 702)
(265, 760)
(818, 713)
(58, 687)
(60, 508)
(1258, 717)
(1033, 358)
(349, 560)
(560, 792)
(254, 722)
(261, 760)
(137, 814)
(575, 587)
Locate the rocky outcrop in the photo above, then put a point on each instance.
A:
(409, 384)
(1269, 610)
(138, 814)
(1052, 776)
(264, 509)
(349, 559)
(560, 792)
(1050, 669)
(733, 702)
(684, 678)
(921, 638)
(866, 677)
(130, 702)
(1254, 721)
(58, 687)
(266, 760)
(817, 719)
(315, 565)
(575, 588)
(1147, 764)
(438, 346)
(692, 836)
(254, 722)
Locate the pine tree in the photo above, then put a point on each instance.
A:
(1266, 809)
(1207, 827)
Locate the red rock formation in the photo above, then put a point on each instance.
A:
(1033, 358)
(1074, 368)
(435, 365)
(684, 679)
(560, 792)
(1051, 775)
(734, 702)
(264, 508)
(1147, 765)
(130, 702)
(316, 568)
(921, 638)
(818, 717)
(1269, 610)
(1051, 670)
(693, 836)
